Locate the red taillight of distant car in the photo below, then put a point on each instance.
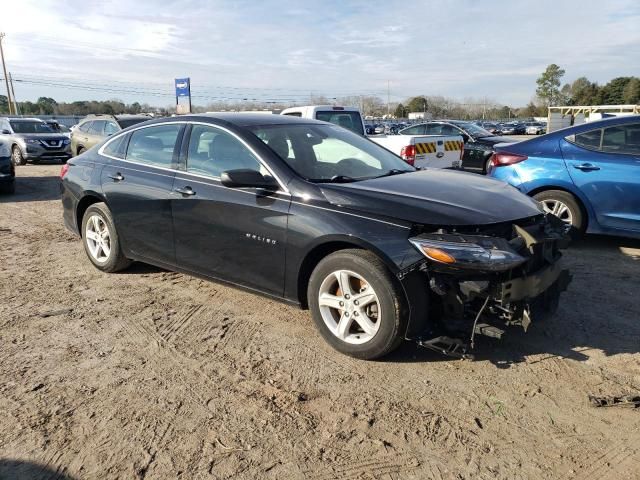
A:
(500, 159)
(64, 170)
(408, 154)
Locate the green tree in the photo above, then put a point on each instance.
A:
(400, 111)
(613, 92)
(4, 104)
(418, 104)
(631, 92)
(549, 85)
(135, 108)
(47, 105)
(584, 92)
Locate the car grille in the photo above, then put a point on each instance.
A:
(52, 143)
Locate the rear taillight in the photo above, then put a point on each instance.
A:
(408, 154)
(64, 170)
(500, 159)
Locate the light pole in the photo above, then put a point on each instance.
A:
(6, 78)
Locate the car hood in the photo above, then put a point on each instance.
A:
(435, 197)
(41, 136)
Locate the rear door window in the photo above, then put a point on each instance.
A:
(110, 128)
(116, 147)
(590, 140)
(416, 130)
(154, 145)
(622, 139)
(97, 127)
(349, 120)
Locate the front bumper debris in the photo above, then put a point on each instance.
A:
(465, 304)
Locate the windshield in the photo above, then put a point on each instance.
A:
(474, 130)
(29, 127)
(327, 153)
(349, 120)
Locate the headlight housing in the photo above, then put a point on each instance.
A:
(31, 140)
(472, 252)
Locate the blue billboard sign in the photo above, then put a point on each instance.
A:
(183, 87)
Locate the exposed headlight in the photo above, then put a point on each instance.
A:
(473, 252)
(31, 140)
(65, 141)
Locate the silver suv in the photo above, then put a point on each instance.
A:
(32, 139)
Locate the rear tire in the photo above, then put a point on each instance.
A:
(9, 188)
(357, 305)
(17, 157)
(101, 241)
(566, 207)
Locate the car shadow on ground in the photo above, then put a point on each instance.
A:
(34, 189)
(25, 470)
(589, 318)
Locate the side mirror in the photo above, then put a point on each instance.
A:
(6, 132)
(246, 178)
(465, 137)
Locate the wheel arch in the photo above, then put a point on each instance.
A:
(326, 246)
(85, 202)
(583, 203)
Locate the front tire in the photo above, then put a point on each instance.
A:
(566, 207)
(356, 304)
(101, 241)
(17, 157)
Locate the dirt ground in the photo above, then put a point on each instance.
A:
(152, 374)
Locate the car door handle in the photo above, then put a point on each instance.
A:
(185, 191)
(117, 177)
(586, 167)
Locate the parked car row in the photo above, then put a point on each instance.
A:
(478, 143)
(514, 128)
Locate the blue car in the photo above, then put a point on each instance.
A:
(587, 175)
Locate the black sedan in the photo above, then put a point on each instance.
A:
(478, 142)
(312, 214)
(7, 170)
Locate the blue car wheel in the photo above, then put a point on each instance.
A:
(564, 206)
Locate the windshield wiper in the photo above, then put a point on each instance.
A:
(393, 171)
(337, 179)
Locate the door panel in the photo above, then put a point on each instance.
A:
(611, 183)
(238, 235)
(138, 191)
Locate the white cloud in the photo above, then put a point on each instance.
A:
(457, 48)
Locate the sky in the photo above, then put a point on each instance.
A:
(288, 50)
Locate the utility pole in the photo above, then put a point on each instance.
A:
(4, 69)
(388, 97)
(13, 94)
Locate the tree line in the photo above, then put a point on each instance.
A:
(49, 106)
(582, 91)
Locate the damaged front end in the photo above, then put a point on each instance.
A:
(482, 280)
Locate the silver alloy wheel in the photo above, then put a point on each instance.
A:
(17, 158)
(559, 209)
(349, 307)
(98, 238)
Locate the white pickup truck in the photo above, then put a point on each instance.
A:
(432, 151)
